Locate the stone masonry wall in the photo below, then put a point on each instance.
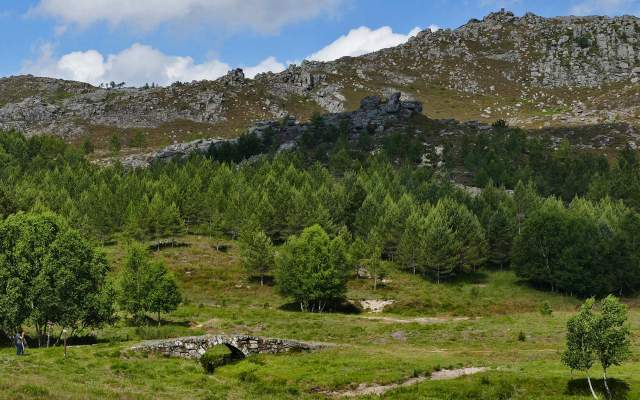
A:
(195, 346)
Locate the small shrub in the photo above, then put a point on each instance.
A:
(475, 292)
(500, 124)
(522, 337)
(248, 377)
(545, 309)
(584, 42)
(504, 391)
(214, 358)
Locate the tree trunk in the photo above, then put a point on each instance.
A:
(606, 385)
(591, 388)
(261, 279)
(158, 319)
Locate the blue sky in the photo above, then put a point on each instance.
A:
(166, 40)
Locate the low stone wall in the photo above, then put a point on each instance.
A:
(195, 346)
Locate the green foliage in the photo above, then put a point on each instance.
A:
(139, 139)
(257, 252)
(496, 211)
(153, 219)
(580, 339)
(312, 269)
(508, 156)
(403, 147)
(545, 309)
(612, 346)
(246, 146)
(87, 146)
(584, 249)
(49, 273)
(146, 285)
(452, 239)
(598, 336)
(584, 42)
(587, 248)
(115, 144)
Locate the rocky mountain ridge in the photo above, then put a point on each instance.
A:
(531, 71)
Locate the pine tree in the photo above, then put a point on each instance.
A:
(410, 243)
(257, 252)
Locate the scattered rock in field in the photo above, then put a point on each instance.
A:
(375, 306)
(399, 336)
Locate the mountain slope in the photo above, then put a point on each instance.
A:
(532, 71)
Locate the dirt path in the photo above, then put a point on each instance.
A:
(378, 390)
(419, 320)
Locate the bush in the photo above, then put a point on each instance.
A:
(584, 42)
(215, 357)
(522, 337)
(545, 309)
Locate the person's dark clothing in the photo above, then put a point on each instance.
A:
(19, 345)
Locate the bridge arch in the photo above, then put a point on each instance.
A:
(240, 345)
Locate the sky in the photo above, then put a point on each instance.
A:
(163, 41)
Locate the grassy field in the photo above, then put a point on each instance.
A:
(369, 348)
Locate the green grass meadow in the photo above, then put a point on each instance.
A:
(503, 330)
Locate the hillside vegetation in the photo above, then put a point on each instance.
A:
(483, 280)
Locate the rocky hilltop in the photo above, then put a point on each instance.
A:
(376, 115)
(531, 71)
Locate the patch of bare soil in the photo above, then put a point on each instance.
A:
(419, 320)
(378, 390)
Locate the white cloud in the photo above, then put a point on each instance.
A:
(499, 3)
(140, 64)
(607, 7)
(258, 15)
(266, 65)
(136, 65)
(361, 41)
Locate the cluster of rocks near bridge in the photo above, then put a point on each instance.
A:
(193, 347)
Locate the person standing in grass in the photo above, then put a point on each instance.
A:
(23, 342)
(18, 340)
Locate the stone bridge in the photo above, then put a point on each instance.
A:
(240, 345)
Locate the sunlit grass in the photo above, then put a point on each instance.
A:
(222, 299)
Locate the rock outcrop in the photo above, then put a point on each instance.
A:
(177, 151)
(502, 66)
(375, 115)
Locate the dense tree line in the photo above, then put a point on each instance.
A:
(509, 156)
(381, 209)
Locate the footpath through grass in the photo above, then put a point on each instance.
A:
(504, 331)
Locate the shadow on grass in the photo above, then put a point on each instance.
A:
(165, 244)
(148, 321)
(338, 308)
(580, 387)
(268, 280)
(474, 278)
